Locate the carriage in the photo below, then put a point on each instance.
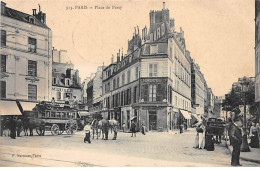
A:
(216, 126)
(56, 118)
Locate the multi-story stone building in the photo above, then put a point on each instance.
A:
(257, 55)
(152, 83)
(26, 64)
(65, 80)
(197, 89)
(94, 93)
(211, 102)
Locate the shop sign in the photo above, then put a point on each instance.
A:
(59, 89)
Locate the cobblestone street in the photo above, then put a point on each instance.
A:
(154, 149)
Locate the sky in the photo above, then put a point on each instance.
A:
(218, 33)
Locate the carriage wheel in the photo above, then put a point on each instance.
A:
(71, 127)
(55, 129)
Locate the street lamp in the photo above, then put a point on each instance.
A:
(245, 85)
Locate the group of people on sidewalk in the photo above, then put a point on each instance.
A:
(114, 127)
(12, 126)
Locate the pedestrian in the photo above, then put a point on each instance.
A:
(196, 143)
(115, 128)
(236, 140)
(123, 126)
(19, 127)
(105, 128)
(254, 136)
(181, 128)
(201, 131)
(143, 128)
(12, 127)
(53, 101)
(87, 130)
(133, 128)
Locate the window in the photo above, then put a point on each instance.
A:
(3, 38)
(114, 84)
(128, 76)
(3, 63)
(152, 70)
(117, 82)
(158, 33)
(171, 52)
(152, 92)
(58, 95)
(32, 92)
(54, 80)
(176, 101)
(136, 73)
(32, 68)
(32, 44)
(3, 89)
(153, 49)
(135, 94)
(123, 79)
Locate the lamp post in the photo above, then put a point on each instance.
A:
(245, 85)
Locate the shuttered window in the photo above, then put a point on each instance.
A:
(32, 44)
(32, 92)
(145, 92)
(3, 63)
(32, 68)
(3, 38)
(153, 70)
(152, 92)
(3, 89)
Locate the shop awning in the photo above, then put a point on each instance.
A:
(185, 114)
(84, 113)
(9, 108)
(197, 117)
(28, 106)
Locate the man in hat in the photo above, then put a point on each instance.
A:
(236, 139)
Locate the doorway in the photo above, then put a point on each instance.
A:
(152, 120)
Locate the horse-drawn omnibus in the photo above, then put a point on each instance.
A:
(56, 118)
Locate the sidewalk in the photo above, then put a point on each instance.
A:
(252, 156)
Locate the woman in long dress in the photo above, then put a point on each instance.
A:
(254, 136)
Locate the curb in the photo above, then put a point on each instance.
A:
(243, 158)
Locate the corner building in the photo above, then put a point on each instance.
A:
(152, 83)
(26, 63)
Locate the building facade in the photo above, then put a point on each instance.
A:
(94, 93)
(257, 55)
(26, 64)
(198, 89)
(65, 80)
(152, 82)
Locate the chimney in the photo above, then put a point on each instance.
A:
(172, 23)
(112, 59)
(44, 18)
(3, 7)
(163, 5)
(39, 8)
(118, 58)
(34, 12)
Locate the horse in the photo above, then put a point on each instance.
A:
(96, 127)
(25, 121)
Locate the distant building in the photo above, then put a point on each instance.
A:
(26, 63)
(197, 89)
(257, 55)
(65, 80)
(84, 86)
(94, 93)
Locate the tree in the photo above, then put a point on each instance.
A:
(235, 97)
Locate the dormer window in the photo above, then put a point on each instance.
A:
(31, 20)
